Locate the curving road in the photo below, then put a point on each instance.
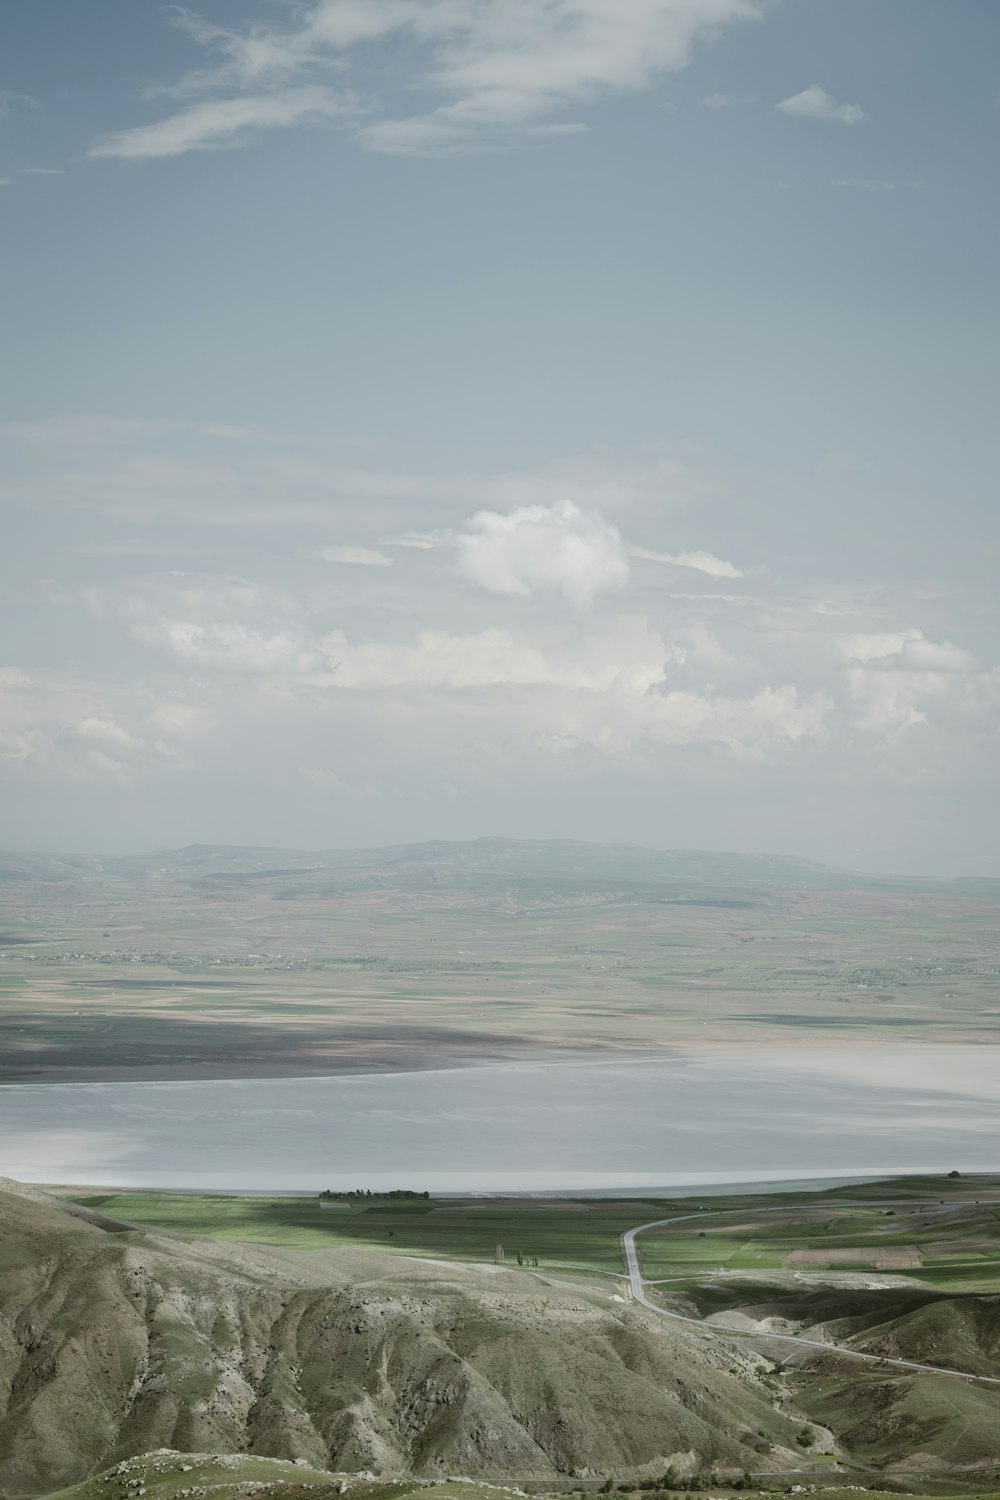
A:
(637, 1283)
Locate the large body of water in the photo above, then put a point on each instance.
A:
(685, 1117)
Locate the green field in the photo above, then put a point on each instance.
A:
(943, 1244)
(569, 1235)
(947, 1244)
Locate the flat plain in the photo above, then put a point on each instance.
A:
(217, 962)
(931, 1231)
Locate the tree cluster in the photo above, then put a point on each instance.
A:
(673, 1480)
(365, 1195)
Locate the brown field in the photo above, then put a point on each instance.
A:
(175, 974)
(892, 1258)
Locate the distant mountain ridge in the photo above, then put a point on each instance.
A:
(490, 859)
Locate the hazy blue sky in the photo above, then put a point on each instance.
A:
(429, 418)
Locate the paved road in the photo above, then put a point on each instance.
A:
(637, 1283)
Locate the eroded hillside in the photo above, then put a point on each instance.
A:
(116, 1341)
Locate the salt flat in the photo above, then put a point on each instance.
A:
(684, 1116)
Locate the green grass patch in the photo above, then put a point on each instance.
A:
(584, 1235)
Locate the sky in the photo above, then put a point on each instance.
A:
(541, 418)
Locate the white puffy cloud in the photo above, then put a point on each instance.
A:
(357, 557)
(543, 549)
(749, 725)
(89, 732)
(897, 680)
(872, 646)
(905, 651)
(106, 732)
(626, 658)
(707, 647)
(179, 720)
(411, 678)
(633, 728)
(701, 562)
(229, 645)
(886, 703)
(814, 103)
(920, 655)
(219, 621)
(498, 67)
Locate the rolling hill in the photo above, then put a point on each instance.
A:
(116, 1341)
(486, 861)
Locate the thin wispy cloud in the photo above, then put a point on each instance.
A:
(491, 70)
(814, 103)
(10, 101)
(219, 123)
(701, 562)
(357, 557)
(864, 184)
(419, 541)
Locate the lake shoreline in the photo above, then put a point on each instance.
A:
(550, 1123)
(250, 1072)
(681, 1191)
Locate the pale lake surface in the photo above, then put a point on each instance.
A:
(687, 1117)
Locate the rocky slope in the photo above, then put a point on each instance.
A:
(115, 1341)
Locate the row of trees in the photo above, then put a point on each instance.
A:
(674, 1480)
(523, 1260)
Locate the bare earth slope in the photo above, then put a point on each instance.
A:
(115, 1341)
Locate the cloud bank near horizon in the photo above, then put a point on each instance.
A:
(419, 641)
